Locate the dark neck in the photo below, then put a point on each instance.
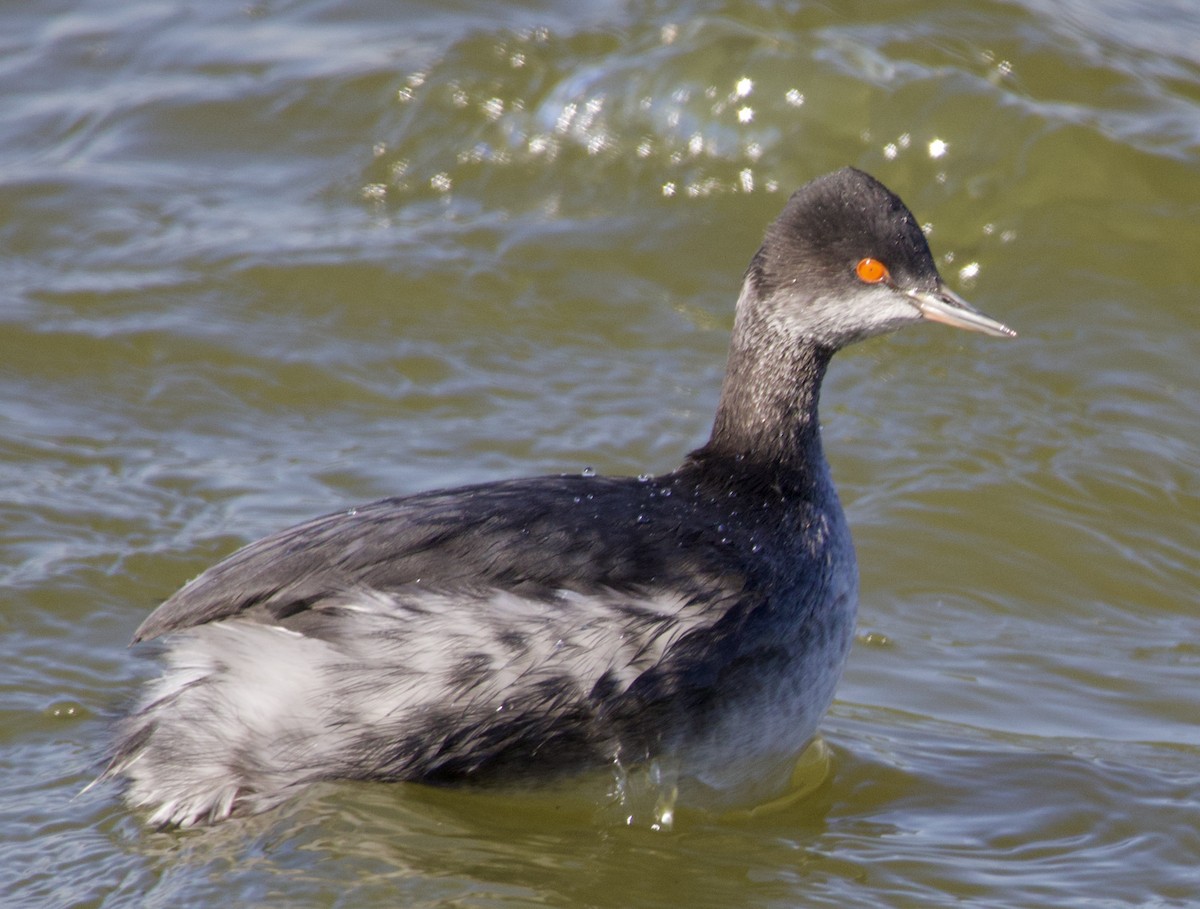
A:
(767, 416)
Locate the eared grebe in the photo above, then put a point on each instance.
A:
(528, 628)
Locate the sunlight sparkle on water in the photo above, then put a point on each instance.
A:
(493, 108)
(892, 149)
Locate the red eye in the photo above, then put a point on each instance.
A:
(871, 271)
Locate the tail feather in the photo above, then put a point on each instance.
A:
(229, 728)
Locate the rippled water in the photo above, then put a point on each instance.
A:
(264, 260)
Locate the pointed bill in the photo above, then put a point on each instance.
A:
(944, 305)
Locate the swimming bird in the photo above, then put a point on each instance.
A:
(530, 628)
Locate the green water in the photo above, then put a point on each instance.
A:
(261, 261)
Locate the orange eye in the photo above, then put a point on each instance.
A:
(871, 271)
